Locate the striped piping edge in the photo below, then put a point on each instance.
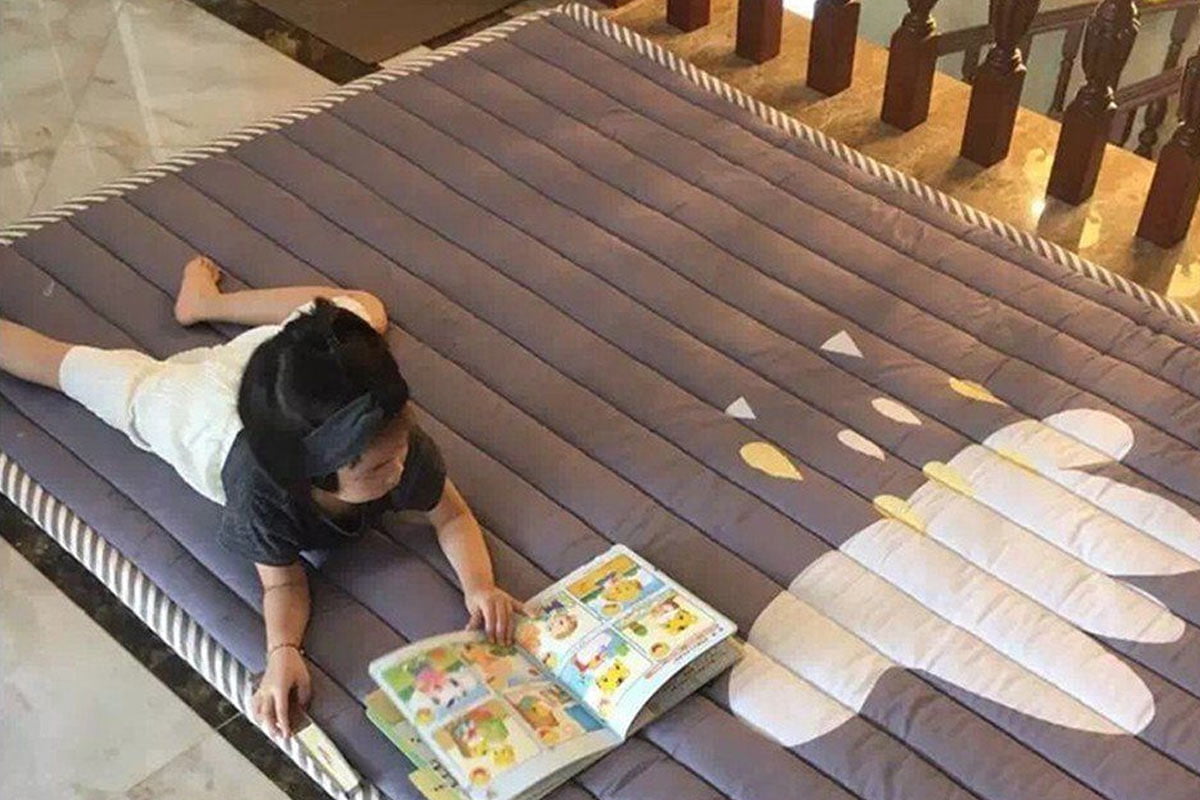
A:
(654, 52)
(1046, 249)
(171, 622)
(648, 49)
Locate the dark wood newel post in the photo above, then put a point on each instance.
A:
(1176, 185)
(759, 29)
(1106, 44)
(912, 58)
(831, 48)
(688, 15)
(996, 90)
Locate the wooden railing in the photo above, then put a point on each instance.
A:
(1151, 93)
(1099, 34)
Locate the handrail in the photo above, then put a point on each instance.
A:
(1141, 93)
(964, 39)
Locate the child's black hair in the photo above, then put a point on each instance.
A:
(295, 380)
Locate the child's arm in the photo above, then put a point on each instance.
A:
(462, 541)
(285, 604)
(201, 300)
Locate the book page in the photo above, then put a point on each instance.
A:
(492, 715)
(615, 631)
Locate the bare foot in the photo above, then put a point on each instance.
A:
(199, 284)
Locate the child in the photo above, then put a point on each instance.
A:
(299, 427)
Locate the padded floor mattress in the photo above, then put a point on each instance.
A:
(943, 475)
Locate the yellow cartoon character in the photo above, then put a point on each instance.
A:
(680, 621)
(503, 755)
(621, 590)
(616, 674)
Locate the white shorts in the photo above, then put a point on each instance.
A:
(183, 409)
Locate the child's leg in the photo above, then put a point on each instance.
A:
(101, 380)
(30, 355)
(201, 300)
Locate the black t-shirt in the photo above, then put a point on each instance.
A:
(268, 525)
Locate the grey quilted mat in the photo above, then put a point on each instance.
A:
(948, 489)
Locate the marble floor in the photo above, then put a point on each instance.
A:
(91, 90)
(68, 693)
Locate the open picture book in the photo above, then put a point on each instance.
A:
(604, 651)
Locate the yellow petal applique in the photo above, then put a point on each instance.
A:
(948, 476)
(771, 460)
(975, 391)
(897, 509)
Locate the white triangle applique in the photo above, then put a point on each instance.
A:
(741, 409)
(842, 343)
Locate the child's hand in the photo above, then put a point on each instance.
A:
(286, 671)
(492, 609)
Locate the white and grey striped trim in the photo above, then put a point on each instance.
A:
(848, 155)
(152, 605)
(597, 22)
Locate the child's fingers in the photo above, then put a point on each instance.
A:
(492, 618)
(282, 722)
(266, 713)
(475, 621)
(508, 623)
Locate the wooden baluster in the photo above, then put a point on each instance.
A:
(688, 15)
(1176, 186)
(1070, 49)
(996, 88)
(1122, 126)
(970, 64)
(1106, 44)
(1156, 112)
(759, 29)
(1181, 28)
(831, 48)
(912, 58)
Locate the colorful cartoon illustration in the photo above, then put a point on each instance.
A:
(556, 626)
(670, 627)
(485, 741)
(434, 685)
(553, 714)
(615, 586)
(613, 677)
(561, 623)
(500, 666)
(603, 667)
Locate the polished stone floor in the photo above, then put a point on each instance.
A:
(91, 90)
(1101, 230)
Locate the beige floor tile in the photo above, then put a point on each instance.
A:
(211, 770)
(82, 718)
